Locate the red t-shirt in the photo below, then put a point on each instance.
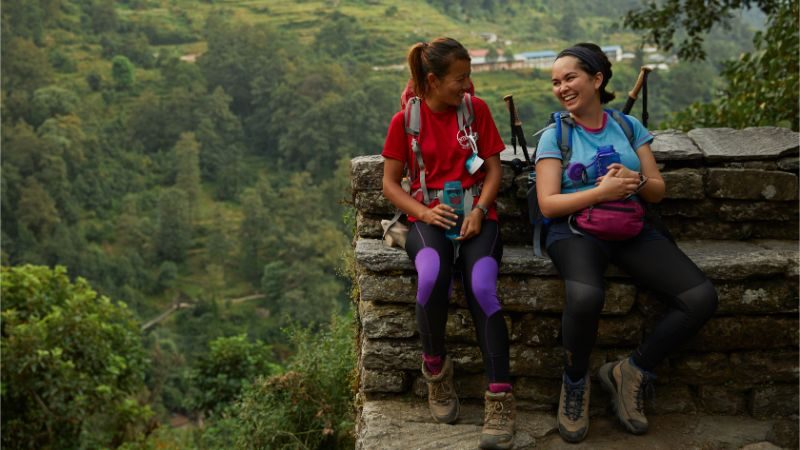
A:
(443, 156)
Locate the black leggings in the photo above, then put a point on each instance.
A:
(658, 265)
(479, 262)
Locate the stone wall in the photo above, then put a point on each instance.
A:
(732, 204)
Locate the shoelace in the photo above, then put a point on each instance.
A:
(498, 414)
(644, 389)
(574, 402)
(441, 391)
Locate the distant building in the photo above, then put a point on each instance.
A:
(540, 60)
(614, 52)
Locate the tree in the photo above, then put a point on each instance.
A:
(51, 101)
(122, 73)
(230, 364)
(308, 406)
(187, 178)
(25, 66)
(174, 225)
(73, 363)
(763, 86)
(662, 20)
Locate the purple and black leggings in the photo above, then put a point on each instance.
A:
(478, 265)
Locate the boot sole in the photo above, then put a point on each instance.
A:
(451, 421)
(609, 385)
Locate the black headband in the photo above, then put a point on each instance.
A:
(588, 57)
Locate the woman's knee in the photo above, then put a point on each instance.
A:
(700, 302)
(584, 299)
(483, 283)
(429, 274)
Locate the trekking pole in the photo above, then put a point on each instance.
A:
(634, 93)
(516, 127)
(645, 114)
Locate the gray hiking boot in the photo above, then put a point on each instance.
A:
(498, 421)
(627, 385)
(573, 409)
(442, 398)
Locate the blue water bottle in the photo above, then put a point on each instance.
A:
(454, 198)
(606, 155)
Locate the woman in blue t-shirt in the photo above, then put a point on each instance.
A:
(580, 75)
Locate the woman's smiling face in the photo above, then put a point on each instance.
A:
(572, 86)
(451, 88)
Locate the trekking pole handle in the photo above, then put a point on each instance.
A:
(634, 93)
(509, 99)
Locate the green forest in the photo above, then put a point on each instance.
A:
(176, 219)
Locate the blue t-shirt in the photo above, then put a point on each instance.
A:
(585, 142)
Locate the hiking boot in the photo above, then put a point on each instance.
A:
(573, 409)
(498, 421)
(442, 398)
(627, 385)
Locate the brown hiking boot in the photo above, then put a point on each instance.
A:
(498, 421)
(573, 409)
(442, 398)
(627, 385)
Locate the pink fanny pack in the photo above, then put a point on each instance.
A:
(612, 221)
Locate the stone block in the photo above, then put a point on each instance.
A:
(383, 381)
(620, 331)
(762, 367)
(789, 164)
(729, 260)
(386, 321)
(718, 399)
(757, 296)
(369, 226)
(366, 172)
(684, 184)
(741, 211)
(751, 184)
(761, 143)
(372, 255)
(789, 230)
(700, 369)
(536, 361)
(784, 433)
(746, 333)
(466, 358)
(683, 228)
(671, 399)
(536, 330)
(547, 295)
(672, 145)
(387, 288)
(387, 355)
(779, 400)
(693, 209)
(372, 202)
(460, 326)
(542, 392)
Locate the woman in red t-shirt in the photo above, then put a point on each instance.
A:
(440, 71)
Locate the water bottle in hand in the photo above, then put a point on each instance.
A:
(606, 155)
(454, 198)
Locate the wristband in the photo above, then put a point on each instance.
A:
(483, 209)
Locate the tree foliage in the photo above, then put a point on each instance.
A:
(73, 363)
(661, 21)
(762, 87)
(308, 406)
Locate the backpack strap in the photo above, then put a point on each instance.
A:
(564, 124)
(412, 122)
(465, 112)
(624, 123)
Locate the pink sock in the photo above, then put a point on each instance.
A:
(433, 363)
(495, 388)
